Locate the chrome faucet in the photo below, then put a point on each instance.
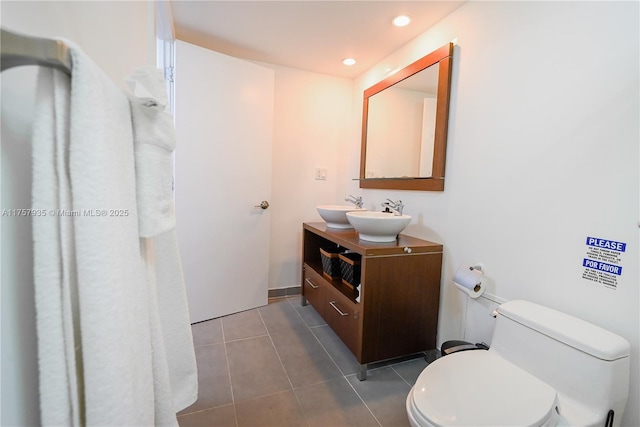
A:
(396, 207)
(355, 200)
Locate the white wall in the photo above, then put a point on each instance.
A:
(312, 129)
(542, 152)
(119, 37)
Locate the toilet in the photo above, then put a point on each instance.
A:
(544, 368)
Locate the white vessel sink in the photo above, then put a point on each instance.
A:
(336, 215)
(378, 226)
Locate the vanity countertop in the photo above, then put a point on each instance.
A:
(350, 240)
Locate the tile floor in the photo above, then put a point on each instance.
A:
(281, 365)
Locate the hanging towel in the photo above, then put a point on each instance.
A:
(59, 353)
(154, 137)
(154, 143)
(103, 349)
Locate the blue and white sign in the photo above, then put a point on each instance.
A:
(603, 261)
(606, 244)
(602, 266)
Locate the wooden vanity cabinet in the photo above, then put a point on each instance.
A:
(396, 313)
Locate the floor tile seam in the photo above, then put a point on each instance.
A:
(317, 326)
(384, 367)
(208, 344)
(262, 396)
(350, 385)
(276, 350)
(339, 375)
(363, 401)
(329, 354)
(241, 402)
(304, 322)
(285, 370)
(400, 375)
(295, 391)
(206, 409)
(246, 338)
(328, 380)
(226, 360)
(342, 374)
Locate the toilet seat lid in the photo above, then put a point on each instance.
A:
(480, 388)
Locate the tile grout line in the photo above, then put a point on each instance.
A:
(316, 337)
(275, 349)
(247, 338)
(403, 378)
(300, 316)
(318, 340)
(344, 377)
(204, 410)
(362, 400)
(226, 358)
(283, 368)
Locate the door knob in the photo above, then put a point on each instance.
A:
(263, 205)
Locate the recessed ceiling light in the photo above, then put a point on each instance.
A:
(348, 61)
(401, 21)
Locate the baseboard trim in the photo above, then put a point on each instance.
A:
(284, 292)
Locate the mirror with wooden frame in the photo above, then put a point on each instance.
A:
(404, 126)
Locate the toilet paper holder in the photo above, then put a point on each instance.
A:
(478, 268)
(469, 279)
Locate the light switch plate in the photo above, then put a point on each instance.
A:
(321, 174)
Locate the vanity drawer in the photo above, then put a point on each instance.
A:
(343, 316)
(313, 289)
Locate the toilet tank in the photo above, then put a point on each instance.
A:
(587, 365)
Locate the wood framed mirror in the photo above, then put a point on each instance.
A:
(404, 126)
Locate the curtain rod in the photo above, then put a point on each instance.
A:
(20, 50)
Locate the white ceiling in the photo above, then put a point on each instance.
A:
(309, 35)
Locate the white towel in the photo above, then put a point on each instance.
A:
(174, 355)
(54, 273)
(104, 350)
(154, 137)
(154, 142)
